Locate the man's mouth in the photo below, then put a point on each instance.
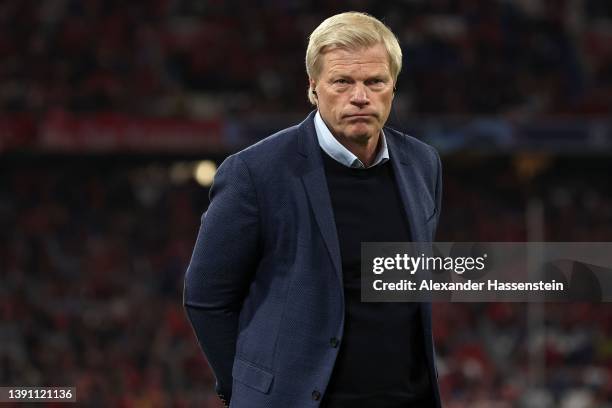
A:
(360, 116)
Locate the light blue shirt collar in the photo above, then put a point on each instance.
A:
(341, 154)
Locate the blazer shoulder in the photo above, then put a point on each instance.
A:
(412, 143)
(276, 146)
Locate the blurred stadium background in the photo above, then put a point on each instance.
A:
(114, 114)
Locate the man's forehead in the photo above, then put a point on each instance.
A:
(343, 59)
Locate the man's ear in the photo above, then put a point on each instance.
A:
(313, 86)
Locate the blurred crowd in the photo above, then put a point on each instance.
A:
(93, 259)
(516, 354)
(209, 58)
(93, 254)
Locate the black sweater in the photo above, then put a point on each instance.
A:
(381, 361)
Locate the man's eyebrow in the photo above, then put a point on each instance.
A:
(343, 75)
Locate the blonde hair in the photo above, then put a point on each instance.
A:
(351, 30)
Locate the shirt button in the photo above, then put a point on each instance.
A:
(334, 342)
(316, 395)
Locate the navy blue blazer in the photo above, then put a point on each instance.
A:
(264, 288)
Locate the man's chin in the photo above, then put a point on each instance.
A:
(360, 133)
(360, 137)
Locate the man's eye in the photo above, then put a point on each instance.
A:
(341, 81)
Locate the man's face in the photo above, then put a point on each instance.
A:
(354, 92)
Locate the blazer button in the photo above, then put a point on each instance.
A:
(334, 342)
(316, 395)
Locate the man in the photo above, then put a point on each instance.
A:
(273, 287)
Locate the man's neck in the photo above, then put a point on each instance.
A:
(365, 152)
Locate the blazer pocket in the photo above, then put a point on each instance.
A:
(252, 376)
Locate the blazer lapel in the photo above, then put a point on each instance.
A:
(406, 179)
(407, 176)
(315, 183)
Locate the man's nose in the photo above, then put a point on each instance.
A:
(359, 95)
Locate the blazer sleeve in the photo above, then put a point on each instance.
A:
(222, 265)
